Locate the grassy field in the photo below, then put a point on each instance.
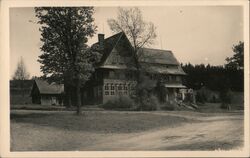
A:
(34, 130)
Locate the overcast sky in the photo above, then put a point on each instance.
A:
(195, 34)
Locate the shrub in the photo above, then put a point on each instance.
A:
(149, 103)
(200, 97)
(224, 106)
(225, 96)
(119, 103)
(169, 106)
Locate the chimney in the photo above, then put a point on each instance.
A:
(101, 41)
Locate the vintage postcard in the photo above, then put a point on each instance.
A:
(124, 78)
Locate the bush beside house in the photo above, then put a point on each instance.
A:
(128, 104)
(119, 103)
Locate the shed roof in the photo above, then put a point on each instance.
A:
(46, 88)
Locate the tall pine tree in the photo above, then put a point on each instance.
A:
(66, 58)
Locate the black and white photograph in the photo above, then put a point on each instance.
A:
(128, 78)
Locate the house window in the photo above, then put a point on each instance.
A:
(112, 87)
(106, 86)
(125, 87)
(166, 78)
(106, 92)
(173, 78)
(120, 87)
(178, 78)
(170, 78)
(112, 92)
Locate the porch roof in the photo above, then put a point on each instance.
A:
(117, 67)
(174, 85)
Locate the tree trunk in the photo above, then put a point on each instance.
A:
(69, 99)
(78, 96)
(138, 79)
(68, 95)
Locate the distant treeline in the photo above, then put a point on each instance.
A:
(217, 78)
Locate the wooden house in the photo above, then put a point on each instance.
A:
(47, 94)
(115, 75)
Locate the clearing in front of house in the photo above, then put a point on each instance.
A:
(33, 130)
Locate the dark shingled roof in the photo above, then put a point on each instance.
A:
(157, 56)
(46, 88)
(176, 70)
(152, 60)
(109, 44)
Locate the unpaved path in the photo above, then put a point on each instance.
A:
(212, 133)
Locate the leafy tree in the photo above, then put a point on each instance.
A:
(34, 77)
(130, 21)
(139, 33)
(237, 60)
(235, 67)
(66, 57)
(21, 74)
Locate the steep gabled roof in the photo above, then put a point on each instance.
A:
(152, 60)
(157, 56)
(45, 88)
(109, 44)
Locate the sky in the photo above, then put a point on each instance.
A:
(195, 34)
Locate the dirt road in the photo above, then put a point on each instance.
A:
(212, 133)
(205, 132)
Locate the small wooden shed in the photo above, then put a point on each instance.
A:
(47, 94)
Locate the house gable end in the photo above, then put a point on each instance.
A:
(121, 55)
(109, 44)
(35, 90)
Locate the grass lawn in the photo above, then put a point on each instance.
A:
(33, 130)
(100, 122)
